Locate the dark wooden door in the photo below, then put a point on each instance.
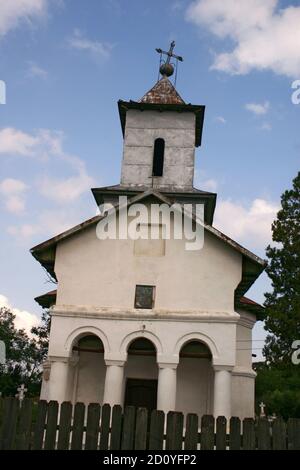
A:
(141, 393)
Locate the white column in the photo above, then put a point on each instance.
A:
(166, 390)
(222, 391)
(58, 379)
(113, 382)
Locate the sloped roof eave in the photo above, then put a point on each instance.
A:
(248, 305)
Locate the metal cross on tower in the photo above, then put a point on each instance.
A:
(166, 68)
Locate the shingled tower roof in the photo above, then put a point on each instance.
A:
(163, 92)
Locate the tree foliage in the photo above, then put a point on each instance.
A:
(24, 354)
(278, 381)
(283, 303)
(278, 386)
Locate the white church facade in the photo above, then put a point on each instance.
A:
(148, 322)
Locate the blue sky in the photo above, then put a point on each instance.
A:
(67, 62)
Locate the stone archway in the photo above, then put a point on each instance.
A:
(195, 378)
(89, 369)
(141, 374)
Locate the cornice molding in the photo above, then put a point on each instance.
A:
(141, 314)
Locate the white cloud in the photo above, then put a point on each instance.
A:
(221, 119)
(24, 320)
(250, 225)
(203, 182)
(24, 231)
(13, 141)
(13, 192)
(177, 6)
(266, 126)
(14, 12)
(49, 223)
(35, 71)
(65, 190)
(41, 144)
(48, 145)
(57, 221)
(97, 49)
(15, 204)
(258, 108)
(264, 36)
(12, 186)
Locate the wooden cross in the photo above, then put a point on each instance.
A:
(21, 392)
(170, 53)
(262, 409)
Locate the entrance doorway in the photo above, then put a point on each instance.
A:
(141, 393)
(195, 379)
(141, 375)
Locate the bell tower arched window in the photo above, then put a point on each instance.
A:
(158, 157)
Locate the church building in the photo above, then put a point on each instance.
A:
(148, 322)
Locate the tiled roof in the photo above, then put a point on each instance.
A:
(163, 92)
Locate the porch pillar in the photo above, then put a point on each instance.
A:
(58, 382)
(166, 389)
(113, 388)
(222, 391)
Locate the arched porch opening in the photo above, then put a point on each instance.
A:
(141, 375)
(89, 369)
(195, 377)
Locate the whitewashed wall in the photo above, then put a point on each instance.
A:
(178, 131)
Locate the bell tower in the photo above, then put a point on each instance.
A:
(160, 133)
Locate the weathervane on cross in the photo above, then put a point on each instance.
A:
(166, 68)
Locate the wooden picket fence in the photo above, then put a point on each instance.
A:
(42, 425)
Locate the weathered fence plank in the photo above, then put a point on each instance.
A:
(64, 426)
(92, 427)
(221, 433)
(140, 442)
(116, 428)
(156, 438)
(293, 434)
(235, 433)
(104, 428)
(9, 423)
(263, 434)
(51, 427)
(1, 410)
(39, 429)
(78, 426)
(24, 425)
(174, 431)
(207, 432)
(279, 434)
(127, 442)
(191, 432)
(249, 434)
